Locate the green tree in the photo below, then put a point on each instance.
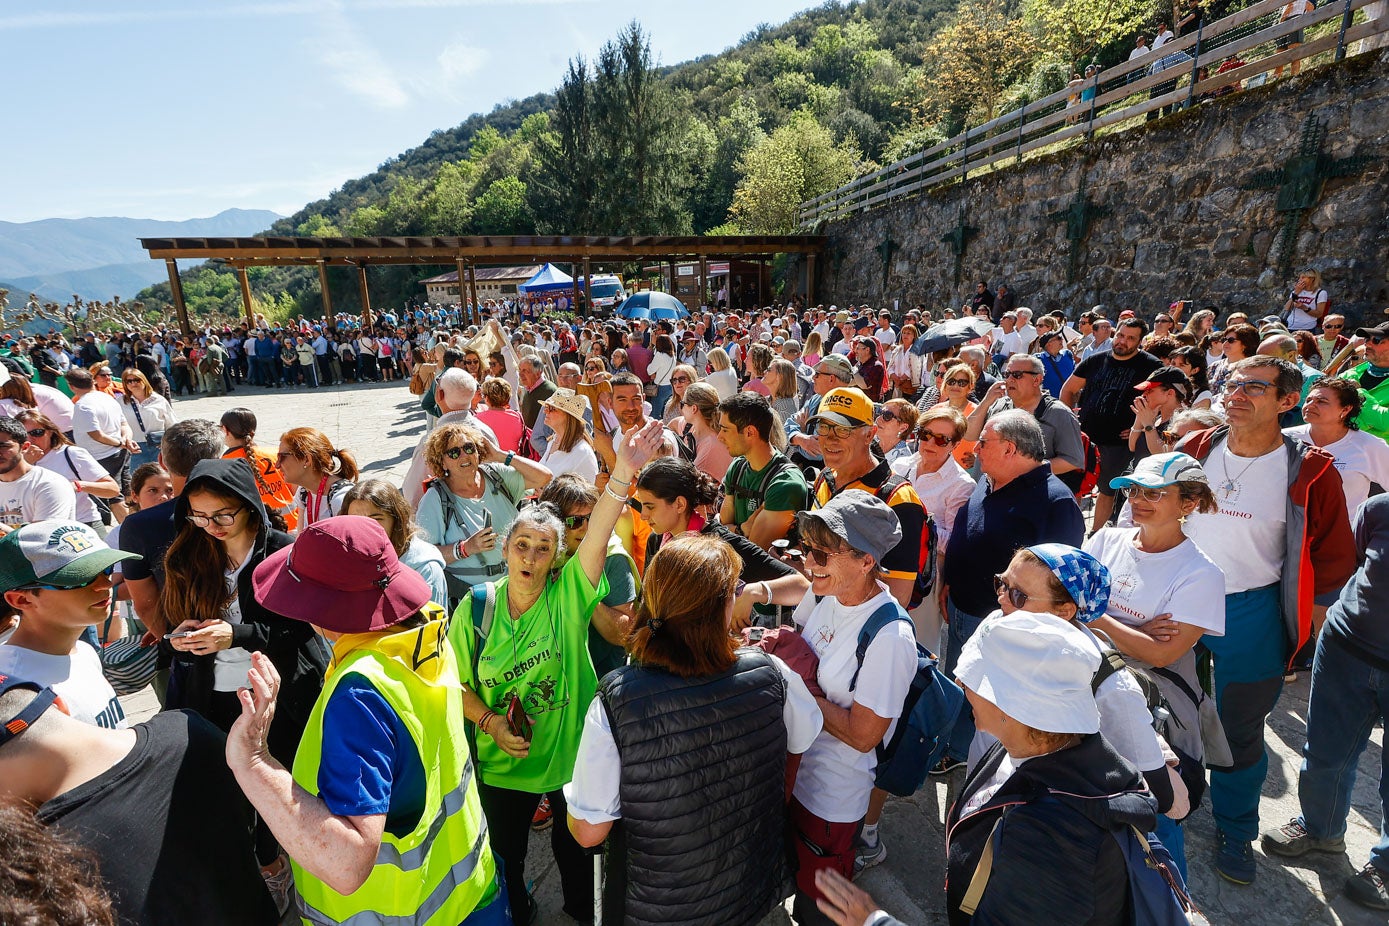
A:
(1075, 29)
(797, 162)
(503, 210)
(317, 226)
(448, 208)
(566, 186)
(974, 60)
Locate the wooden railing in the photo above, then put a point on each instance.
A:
(1059, 117)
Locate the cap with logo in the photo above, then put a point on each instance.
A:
(1171, 377)
(64, 554)
(1162, 469)
(847, 407)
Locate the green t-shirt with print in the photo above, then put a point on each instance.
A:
(543, 658)
(786, 491)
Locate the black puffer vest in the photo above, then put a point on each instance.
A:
(702, 834)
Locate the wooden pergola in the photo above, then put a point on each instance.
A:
(467, 254)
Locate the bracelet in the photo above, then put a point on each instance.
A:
(767, 589)
(625, 485)
(482, 721)
(458, 550)
(609, 491)
(511, 455)
(76, 485)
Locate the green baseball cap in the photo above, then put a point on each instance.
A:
(65, 554)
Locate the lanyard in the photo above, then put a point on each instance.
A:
(314, 505)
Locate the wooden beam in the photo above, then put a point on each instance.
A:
(366, 296)
(176, 290)
(462, 284)
(472, 289)
(588, 288)
(574, 286)
(703, 280)
(327, 297)
(246, 297)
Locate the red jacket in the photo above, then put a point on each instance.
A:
(1320, 553)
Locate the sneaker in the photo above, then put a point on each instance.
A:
(1289, 677)
(866, 856)
(1366, 887)
(945, 766)
(1234, 858)
(1292, 840)
(544, 817)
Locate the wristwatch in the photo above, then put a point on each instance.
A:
(511, 455)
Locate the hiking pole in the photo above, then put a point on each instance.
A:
(598, 887)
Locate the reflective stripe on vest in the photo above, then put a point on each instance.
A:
(443, 869)
(457, 876)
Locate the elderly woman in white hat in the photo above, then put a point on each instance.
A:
(570, 450)
(1065, 791)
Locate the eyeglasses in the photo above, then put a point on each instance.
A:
(1254, 388)
(838, 432)
(937, 373)
(576, 521)
(1016, 596)
(48, 587)
(221, 519)
(1146, 493)
(679, 379)
(103, 375)
(822, 557)
(1332, 327)
(1228, 340)
(454, 453)
(887, 415)
(1019, 374)
(284, 455)
(37, 432)
(957, 382)
(1377, 339)
(940, 440)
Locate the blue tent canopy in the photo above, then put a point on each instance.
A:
(547, 279)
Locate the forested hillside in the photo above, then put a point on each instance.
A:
(727, 143)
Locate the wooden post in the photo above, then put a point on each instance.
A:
(366, 295)
(810, 280)
(463, 286)
(246, 296)
(703, 280)
(588, 287)
(574, 285)
(476, 315)
(327, 297)
(176, 290)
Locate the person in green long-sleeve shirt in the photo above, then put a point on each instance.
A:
(1373, 378)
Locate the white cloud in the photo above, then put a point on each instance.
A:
(355, 64)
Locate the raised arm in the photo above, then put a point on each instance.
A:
(632, 453)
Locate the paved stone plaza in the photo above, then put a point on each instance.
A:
(380, 425)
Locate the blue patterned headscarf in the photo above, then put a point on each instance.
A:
(1085, 578)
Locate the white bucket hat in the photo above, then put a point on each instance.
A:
(1035, 668)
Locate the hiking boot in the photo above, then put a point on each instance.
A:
(866, 855)
(544, 817)
(1292, 840)
(1234, 858)
(1366, 887)
(945, 766)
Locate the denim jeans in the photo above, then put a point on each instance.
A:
(959, 630)
(658, 404)
(1248, 666)
(1348, 696)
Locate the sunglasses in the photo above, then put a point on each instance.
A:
(1146, 493)
(454, 453)
(938, 373)
(679, 379)
(1254, 388)
(940, 440)
(592, 366)
(1229, 340)
(957, 382)
(1016, 596)
(284, 455)
(822, 557)
(576, 521)
(37, 432)
(1377, 339)
(887, 415)
(221, 519)
(1332, 327)
(1019, 374)
(49, 587)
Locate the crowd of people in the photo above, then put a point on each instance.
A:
(673, 589)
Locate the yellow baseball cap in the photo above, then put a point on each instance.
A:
(847, 407)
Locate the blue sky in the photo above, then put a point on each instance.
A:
(174, 110)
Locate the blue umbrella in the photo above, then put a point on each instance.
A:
(652, 306)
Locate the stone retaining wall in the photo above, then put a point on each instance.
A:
(1177, 219)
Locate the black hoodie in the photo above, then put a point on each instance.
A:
(295, 648)
(1054, 859)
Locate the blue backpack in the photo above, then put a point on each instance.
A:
(928, 713)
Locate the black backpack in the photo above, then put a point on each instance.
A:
(926, 563)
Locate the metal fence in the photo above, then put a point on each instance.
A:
(1240, 51)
